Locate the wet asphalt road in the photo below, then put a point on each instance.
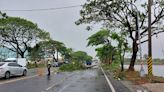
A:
(79, 81)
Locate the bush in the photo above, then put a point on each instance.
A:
(75, 65)
(112, 67)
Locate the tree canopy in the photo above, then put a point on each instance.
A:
(81, 56)
(18, 34)
(126, 16)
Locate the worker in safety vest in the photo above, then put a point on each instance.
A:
(49, 67)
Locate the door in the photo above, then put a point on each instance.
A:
(12, 68)
(19, 69)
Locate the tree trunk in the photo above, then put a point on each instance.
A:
(21, 54)
(122, 66)
(57, 55)
(109, 61)
(134, 55)
(54, 59)
(122, 63)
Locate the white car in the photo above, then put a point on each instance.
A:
(8, 69)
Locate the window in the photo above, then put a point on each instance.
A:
(12, 64)
(10, 61)
(1, 64)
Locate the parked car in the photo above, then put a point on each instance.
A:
(8, 69)
(20, 61)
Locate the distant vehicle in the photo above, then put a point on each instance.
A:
(8, 69)
(58, 64)
(20, 61)
(88, 62)
(55, 64)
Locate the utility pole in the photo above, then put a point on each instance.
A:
(149, 62)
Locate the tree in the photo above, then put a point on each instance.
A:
(125, 15)
(50, 47)
(98, 38)
(81, 56)
(105, 53)
(122, 45)
(18, 34)
(3, 15)
(66, 53)
(35, 53)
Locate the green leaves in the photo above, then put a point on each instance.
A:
(81, 56)
(3, 15)
(19, 33)
(98, 38)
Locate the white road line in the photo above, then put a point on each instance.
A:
(55, 84)
(64, 87)
(107, 79)
(61, 90)
(58, 82)
(14, 80)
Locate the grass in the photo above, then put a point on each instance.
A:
(113, 67)
(133, 76)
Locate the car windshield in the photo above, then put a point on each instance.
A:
(10, 61)
(2, 64)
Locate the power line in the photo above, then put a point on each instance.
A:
(44, 9)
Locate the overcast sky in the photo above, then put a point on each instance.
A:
(60, 23)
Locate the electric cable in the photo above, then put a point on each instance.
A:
(43, 9)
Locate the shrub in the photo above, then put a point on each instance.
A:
(75, 65)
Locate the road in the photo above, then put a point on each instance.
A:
(91, 80)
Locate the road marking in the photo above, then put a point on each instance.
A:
(14, 80)
(55, 84)
(64, 87)
(107, 79)
(58, 82)
(68, 85)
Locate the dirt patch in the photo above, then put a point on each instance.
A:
(134, 76)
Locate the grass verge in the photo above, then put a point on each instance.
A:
(133, 76)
